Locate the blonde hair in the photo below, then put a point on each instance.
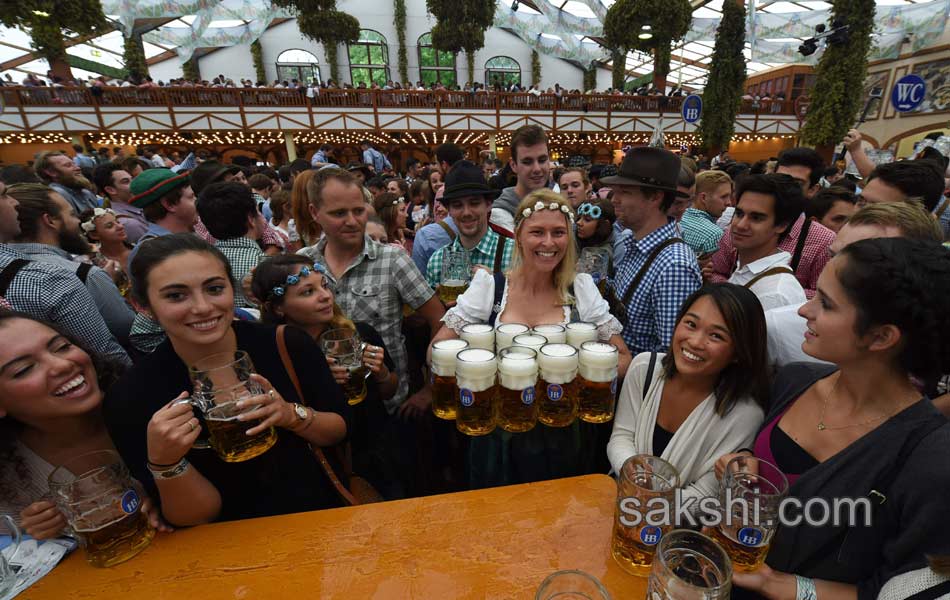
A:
(708, 181)
(566, 271)
(308, 229)
(910, 217)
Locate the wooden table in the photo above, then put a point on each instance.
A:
(494, 543)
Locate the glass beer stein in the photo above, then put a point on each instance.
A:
(95, 493)
(529, 340)
(557, 404)
(475, 370)
(444, 396)
(690, 566)
(7, 574)
(346, 348)
(642, 478)
(517, 389)
(506, 332)
(554, 334)
(598, 381)
(580, 332)
(479, 335)
(456, 274)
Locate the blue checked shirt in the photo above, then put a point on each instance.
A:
(674, 275)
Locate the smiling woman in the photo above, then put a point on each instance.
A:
(186, 285)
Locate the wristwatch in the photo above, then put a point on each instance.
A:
(303, 414)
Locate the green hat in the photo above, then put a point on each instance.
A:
(153, 184)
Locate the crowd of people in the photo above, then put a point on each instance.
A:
(781, 309)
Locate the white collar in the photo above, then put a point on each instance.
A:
(778, 259)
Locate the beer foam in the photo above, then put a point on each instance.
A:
(529, 340)
(479, 335)
(477, 328)
(558, 363)
(512, 329)
(555, 334)
(598, 361)
(517, 382)
(517, 372)
(455, 283)
(443, 356)
(475, 369)
(581, 326)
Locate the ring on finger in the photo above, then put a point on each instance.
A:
(193, 425)
(272, 394)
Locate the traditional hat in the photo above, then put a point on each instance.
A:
(152, 185)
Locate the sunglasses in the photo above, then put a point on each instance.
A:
(591, 210)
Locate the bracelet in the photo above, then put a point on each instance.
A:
(162, 466)
(177, 470)
(749, 450)
(805, 588)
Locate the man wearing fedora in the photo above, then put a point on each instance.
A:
(468, 199)
(658, 270)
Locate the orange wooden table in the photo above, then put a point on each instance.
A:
(494, 543)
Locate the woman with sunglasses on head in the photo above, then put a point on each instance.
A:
(186, 285)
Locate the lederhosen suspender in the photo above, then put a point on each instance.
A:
(768, 273)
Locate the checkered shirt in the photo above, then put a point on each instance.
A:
(814, 254)
(269, 237)
(54, 294)
(373, 290)
(483, 254)
(700, 231)
(674, 275)
(243, 254)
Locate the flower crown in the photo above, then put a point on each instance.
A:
(89, 225)
(292, 279)
(552, 206)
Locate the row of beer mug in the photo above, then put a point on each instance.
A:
(553, 383)
(695, 566)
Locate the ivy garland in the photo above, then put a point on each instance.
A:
(590, 78)
(319, 20)
(47, 22)
(470, 63)
(333, 61)
(133, 55)
(257, 54)
(461, 24)
(840, 75)
(722, 97)
(669, 21)
(400, 15)
(618, 69)
(191, 70)
(535, 68)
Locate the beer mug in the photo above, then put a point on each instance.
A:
(568, 585)
(690, 566)
(580, 332)
(479, 335)
(345, 347)
(750, 493)
(456, 273)
(7, 575)
(220, 382)
(642, 479)
(517, 389)
(95, 493)
(475, 377)
(597, 381)
(557, 405)
(506, 332)
(529, 340)
(554, 334)
(444, 399)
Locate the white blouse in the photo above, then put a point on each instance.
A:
(475, 305)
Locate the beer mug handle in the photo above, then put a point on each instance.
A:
(363, 349)
(15, 534)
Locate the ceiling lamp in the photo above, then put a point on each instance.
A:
(645, 33)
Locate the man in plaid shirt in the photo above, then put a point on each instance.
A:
(371, 281)
(644, 189)
(469, 199)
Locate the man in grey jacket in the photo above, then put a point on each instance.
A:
(529, 161)
(63, 175)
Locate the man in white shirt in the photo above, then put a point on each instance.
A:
(529, 162)
(766, 208)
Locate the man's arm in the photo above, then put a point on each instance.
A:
(723, 261)
(852, 141)
(115, 312)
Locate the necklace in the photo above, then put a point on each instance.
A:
(824, 405)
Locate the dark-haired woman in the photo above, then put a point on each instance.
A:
(859, 428)
(50, 399)
(102, 228)
(186, 285)
(703, 397)
(308, 303)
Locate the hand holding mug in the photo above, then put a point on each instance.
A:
(172, 431)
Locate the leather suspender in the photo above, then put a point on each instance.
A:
(9, 272)
(499, 254)
(768, 273)
(800, 246)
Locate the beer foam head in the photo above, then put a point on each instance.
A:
(560, 359)
(477, 328)
(518, 361)
(512, 328)
(529, 340)
(581, 326)
(443, 356)
(598, 361)
(475, 369)
(555, 334)
(454, 283)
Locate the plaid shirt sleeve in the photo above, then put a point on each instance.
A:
(412, 286)
(723, 260)
(671, 289)
(434, 269)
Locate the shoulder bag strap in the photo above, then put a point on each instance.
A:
(649, 379)
(941, 590)
(318, 452)
(628, 294)
(447, 229)
(768, 273)
(9, 272)
(800, 245)
(499, 254)
(83, 271)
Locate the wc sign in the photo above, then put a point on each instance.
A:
(692, 108)
(908, 93)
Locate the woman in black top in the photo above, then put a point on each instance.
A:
(292, 289)
(185, 283)
(860, 428)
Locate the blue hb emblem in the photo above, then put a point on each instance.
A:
(130, 502)
(650, 535)
(750, 536)
(613, 386)
(466, 397)
(692, 108)
(555, 392)
(527, 396)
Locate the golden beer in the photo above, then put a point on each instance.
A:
(117, 541)
(628, 549)
(517, 390)
(557, 402)
(744, 558)
(354, 390)
(444, 390)
(450, 290)
(475, 370)
(597, 381)
(228, 435)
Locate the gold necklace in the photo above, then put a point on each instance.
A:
(824, 405)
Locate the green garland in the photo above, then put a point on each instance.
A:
(536, 68)
(319, 20)
(618, 69)
(333, 61)
(840, 76)
(133, 55)
(257, 54)
(470, 63)
(460, 24)
(49, 23)
(191, 70)
(722, 96)
(400, 15)
(590, 78)
(669, 21)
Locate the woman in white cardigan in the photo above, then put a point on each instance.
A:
(703, 397)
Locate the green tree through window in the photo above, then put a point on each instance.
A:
(369, 59)
(502, 70)
(434, 65)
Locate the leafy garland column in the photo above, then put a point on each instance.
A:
(470, 63)
(461, 25)
(400, 15)
(257, 53)
(590, 78)
(722, 97)
(191, 70)
(536, 68)
(133, 55)
(618, 71)
(319, 20)
(669, 20)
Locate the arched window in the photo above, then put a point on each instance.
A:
(369, 59)
(435, 65)
(503, 70)
(298, 64)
